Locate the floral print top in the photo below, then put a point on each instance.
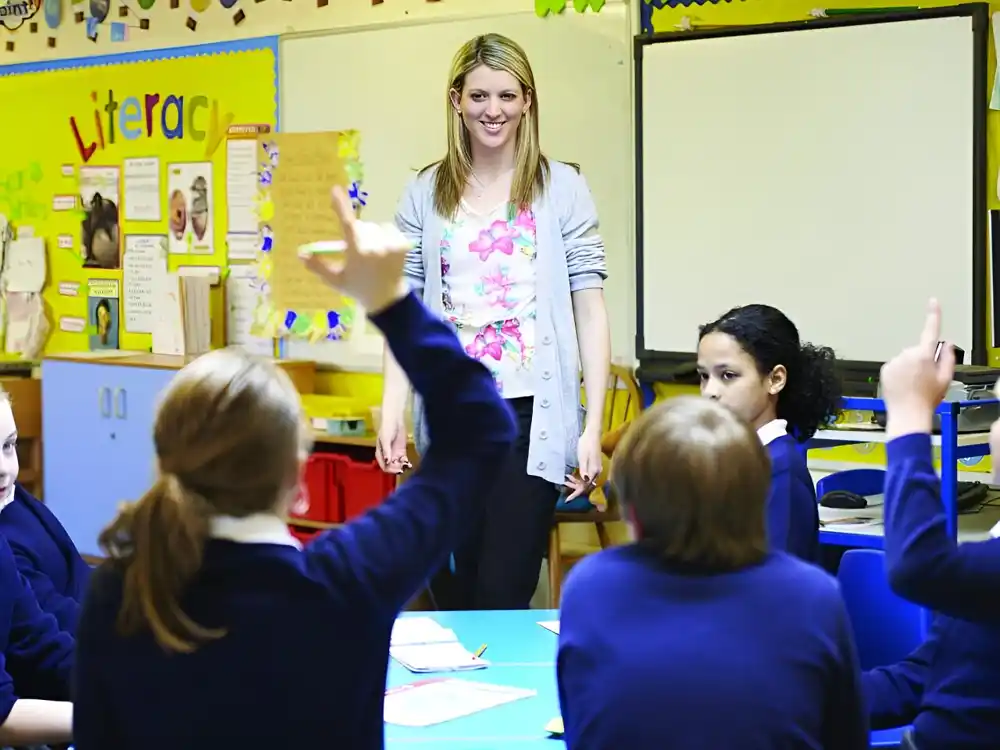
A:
(488, 291)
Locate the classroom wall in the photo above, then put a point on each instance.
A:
(169, 27)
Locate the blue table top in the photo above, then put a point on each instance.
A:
(522, 654)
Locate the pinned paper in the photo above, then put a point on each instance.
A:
(27, 327)
(145, 259)
(310, 164)
(24, 265)
(65, 242)
(72, 324)
(69, 288)
(102, 309)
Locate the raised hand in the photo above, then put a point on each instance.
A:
(915, 381)
(370, 270)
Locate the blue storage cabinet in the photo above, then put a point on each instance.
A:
(97, 421)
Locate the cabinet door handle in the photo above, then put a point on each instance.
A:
(121, 405)
(104, 401)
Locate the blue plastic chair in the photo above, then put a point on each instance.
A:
(886, 627)
(858, 481)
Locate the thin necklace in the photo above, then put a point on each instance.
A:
(483, 187)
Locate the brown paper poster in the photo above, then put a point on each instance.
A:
(308, 166)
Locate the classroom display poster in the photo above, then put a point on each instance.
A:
(96, 173)
(102, 313)
(189, 191)
(99, 235)
(295, 174)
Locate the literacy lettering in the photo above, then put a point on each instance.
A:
(172, 116)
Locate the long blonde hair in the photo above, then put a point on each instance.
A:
(229, 439)
(531, 168)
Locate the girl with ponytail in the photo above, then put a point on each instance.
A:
(209, 625)
(752, 360)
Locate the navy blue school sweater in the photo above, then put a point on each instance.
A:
(949, 688)
(792, 512)
(46, 557)
(677, 659)
(303, 663)
(32, 647)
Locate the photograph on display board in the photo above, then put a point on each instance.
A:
(100, 238)
(102, 313)
(189, 208)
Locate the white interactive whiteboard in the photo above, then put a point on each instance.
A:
(835, 170)
(391, 84)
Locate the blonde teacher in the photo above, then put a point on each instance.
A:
(507, 249)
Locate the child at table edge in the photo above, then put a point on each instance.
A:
(45, 555)
(698, 617)
(949, 687)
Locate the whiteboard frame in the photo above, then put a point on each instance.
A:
(676, 365)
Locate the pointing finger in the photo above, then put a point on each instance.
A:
(932, 326)
(345, 213)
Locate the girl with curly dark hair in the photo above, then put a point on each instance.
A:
(752, 360)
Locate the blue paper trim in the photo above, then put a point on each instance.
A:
(170, 53)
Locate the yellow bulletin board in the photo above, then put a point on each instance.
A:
(146, 132)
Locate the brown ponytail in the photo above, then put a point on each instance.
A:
(160, 541)
(230, 438)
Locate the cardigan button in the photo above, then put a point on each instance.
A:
(543, 435)
(547, 340)
(546, 375)
(541, 466)
(545, 403)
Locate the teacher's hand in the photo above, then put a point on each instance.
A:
(390, 445)
(370, 270)
(914, 382)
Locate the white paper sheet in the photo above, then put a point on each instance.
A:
(429, 702)
(551, 625)
(242, 297)
(24, 265)
(142, 190)
(241, 185)
(437, 657)
(409, 631)
(242, 246)
(145, 257)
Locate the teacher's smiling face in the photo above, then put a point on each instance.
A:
(491, 103)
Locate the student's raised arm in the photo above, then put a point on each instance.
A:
(925, 563)
(387, 554)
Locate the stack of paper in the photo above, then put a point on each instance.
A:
(434, 701)
(421, 645)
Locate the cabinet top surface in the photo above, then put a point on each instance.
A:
(146, 359)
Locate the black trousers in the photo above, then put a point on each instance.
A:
(497, 565)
